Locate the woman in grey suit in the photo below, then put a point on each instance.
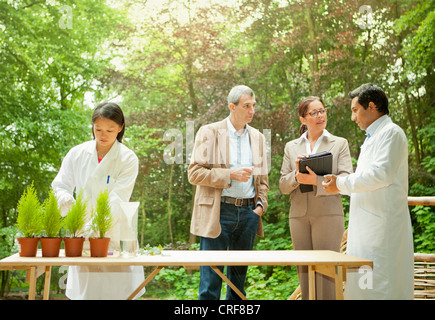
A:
(316, 217)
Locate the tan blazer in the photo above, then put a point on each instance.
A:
(209, 170)
(317, 202)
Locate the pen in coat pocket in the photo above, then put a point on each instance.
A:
(108, 178)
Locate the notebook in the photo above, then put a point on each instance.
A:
(320, 163)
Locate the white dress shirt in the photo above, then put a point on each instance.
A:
(318, 142)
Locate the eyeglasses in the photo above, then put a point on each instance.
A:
(317, 112)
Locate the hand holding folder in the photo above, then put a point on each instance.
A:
(320, 163)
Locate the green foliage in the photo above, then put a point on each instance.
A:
(102, 218)
(46, 70)
(29, 220)
(279, 284)
(181, 284)
(420, 43)
(278, 236)
(52, 220)
(168, 69)
(427, 135)
(76, 217)
(424, 229)
(176, 284)
(7, 241)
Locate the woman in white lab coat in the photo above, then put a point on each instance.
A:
(94, 166)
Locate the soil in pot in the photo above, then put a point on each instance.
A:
(73, 246)
(99, 246)
(28, 246)
(50, 247)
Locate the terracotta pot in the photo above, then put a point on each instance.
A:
(50, 247)
(73, 246)
(28, 246)
(99, 246)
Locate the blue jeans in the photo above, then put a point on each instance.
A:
(239, 228)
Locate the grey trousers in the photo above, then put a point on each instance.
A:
(317, 233)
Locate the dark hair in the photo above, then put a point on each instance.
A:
(303, 109)
(111, 111)
(370, 93)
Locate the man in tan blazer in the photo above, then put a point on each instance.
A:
(229, 168)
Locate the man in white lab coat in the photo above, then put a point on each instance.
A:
(379, 219)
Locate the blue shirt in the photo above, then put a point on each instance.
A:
(374, 126)
(370, 131)
(240, 156)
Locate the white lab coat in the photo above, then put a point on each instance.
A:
(379, 219)
(117, 173)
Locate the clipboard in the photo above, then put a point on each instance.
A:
(320, 163)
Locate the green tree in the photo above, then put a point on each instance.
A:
(47, 66)
(46, 70)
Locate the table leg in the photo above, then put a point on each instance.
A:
(147, 280)
(311, 283)
(339, 282)
(47, 282)
(31, 279)
(335, 272)
(236, 290)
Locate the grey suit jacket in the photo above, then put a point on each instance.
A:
(209, 170)
(317, 202)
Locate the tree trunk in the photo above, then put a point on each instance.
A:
(169, 203)
(412, 125)
(189, 80)
(142, 231)
(314, 63)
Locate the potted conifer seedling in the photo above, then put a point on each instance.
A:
(74, 223)
(52, 222)
(29, 222)
(101, 223)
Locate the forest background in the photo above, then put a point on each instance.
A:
(170, 66)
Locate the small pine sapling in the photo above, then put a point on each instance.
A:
(29, 220)
(102, 218)
(52, 219)
(76, 217)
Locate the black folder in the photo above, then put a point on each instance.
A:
(320, 163)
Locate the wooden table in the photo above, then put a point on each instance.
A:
(329, 263)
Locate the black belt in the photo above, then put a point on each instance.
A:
(237, 201)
